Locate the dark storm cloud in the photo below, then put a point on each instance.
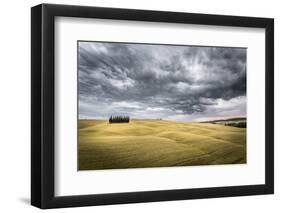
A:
(174, 82)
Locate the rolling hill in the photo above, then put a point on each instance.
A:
(157, 143)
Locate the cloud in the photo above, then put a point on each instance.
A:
(167, 81)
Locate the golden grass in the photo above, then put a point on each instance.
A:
(157, 143)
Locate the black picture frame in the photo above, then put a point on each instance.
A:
(43, 102)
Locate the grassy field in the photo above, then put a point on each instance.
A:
(158, 143)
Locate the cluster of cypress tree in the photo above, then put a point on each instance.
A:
(119, 119)
(237, 124)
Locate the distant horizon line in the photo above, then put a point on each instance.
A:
(191, 120)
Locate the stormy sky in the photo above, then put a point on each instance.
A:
(188, 83)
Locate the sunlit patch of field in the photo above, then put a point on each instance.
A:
(158, 143)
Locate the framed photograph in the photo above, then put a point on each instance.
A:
(139, 106)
